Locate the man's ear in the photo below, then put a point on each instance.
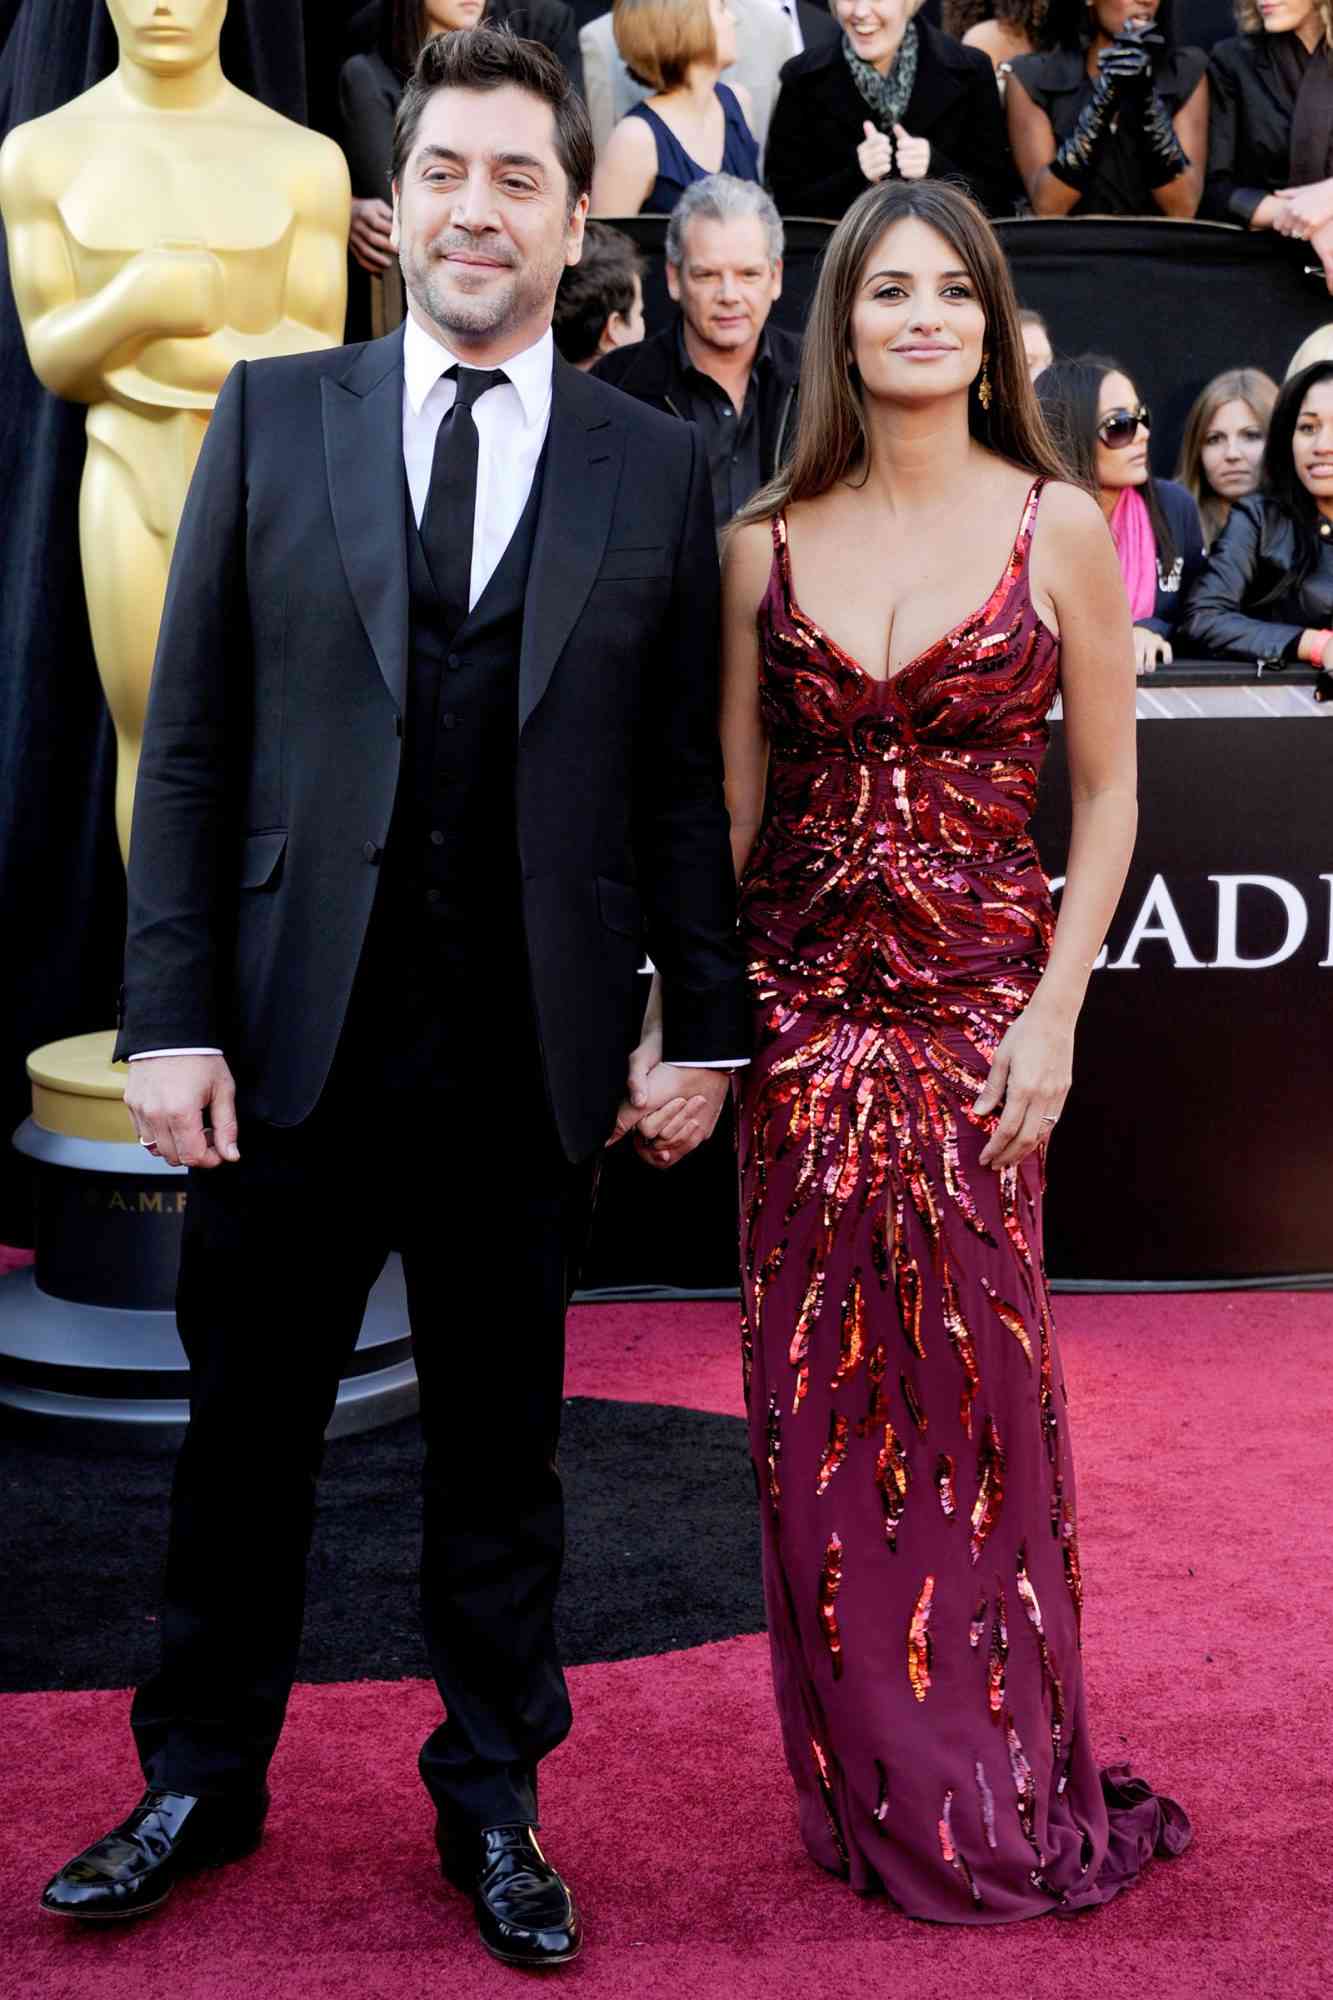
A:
(394, 231)
(673, 281)
(777, 279)
(578, 216)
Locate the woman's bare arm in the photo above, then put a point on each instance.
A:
(1076, 583)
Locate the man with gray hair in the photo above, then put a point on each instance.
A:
(720, 364)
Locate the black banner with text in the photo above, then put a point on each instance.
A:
(1197, 1140)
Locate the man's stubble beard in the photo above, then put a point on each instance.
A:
(498, 312)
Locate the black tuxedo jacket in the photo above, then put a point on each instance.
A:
(273, 741)
(810, 158)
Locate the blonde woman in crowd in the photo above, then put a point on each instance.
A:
(692, 126)
(1221, 458)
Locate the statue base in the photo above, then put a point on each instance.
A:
(88, 1336)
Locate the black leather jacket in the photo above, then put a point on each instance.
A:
(1226, 615)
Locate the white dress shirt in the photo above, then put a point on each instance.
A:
(512, 420)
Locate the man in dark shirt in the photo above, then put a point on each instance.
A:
(720, 365)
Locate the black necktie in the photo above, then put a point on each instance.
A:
(451, 504)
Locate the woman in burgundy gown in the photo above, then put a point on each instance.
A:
(915, 1006)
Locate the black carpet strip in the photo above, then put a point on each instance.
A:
(663, 1549)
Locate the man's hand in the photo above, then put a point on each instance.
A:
(184, 1109)
(670, 1109)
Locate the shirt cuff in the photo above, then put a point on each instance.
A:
(143, 1055)
(729, 1062)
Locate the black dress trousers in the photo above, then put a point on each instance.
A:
(434, 1136)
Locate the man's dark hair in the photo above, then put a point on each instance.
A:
(487, 59)
(601, 283)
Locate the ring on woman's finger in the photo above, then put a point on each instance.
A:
(146, 1142)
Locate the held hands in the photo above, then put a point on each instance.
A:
(1303, 211)
(368, 237)
(1151, 651)
(1030, 1079)
(670, 1109)
(184, 1109)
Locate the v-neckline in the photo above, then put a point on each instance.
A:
(891, 680)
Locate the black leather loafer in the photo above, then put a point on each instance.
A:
(132, 1869)
(525, 1914)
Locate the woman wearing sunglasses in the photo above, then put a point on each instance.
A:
(1267, 590)
(1096, 415)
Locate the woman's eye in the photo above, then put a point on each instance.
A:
(1214, 437)
(957, 291)
(890, 292)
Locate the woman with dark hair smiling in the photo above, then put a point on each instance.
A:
(1114, 119)
(883, 722)
(1096, 417)
(1267, 590)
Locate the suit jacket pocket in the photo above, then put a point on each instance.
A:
(629, 565)
(261, 859)
(619, 907)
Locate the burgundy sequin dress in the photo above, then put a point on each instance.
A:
(907, 1407)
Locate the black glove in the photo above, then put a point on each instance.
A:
(1129, 60)
(1163, 154)
(1076, 157)
(1124, 74)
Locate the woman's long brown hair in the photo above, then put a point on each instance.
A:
(1237, 385)
(831, 438)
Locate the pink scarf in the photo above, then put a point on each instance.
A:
(1131, 531)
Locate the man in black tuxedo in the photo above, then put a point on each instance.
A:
(431, 758)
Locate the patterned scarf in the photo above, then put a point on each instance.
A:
(886, 96)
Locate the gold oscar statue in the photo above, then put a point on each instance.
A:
(161, 226)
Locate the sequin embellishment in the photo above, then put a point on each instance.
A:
(830, 1582)
(918, 1642)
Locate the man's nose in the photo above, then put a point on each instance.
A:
(473, 207)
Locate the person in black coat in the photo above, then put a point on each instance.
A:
(1095, 415)
(893, 98)
(431, 760)
(1113, 118)
(388, 36)
(1271, 120)
(722, 365)
(1266, 592)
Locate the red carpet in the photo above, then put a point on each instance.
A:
(1203, 1424)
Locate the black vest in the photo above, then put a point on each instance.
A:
(443, 974)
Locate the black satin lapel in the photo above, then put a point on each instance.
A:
(363, 449)
(583, 455)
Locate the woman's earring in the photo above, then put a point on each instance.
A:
(983, 384)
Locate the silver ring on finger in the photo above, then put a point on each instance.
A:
(146, 1142)
(1051, 1118)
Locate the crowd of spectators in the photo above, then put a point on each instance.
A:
(1053, 107)
(726, 115)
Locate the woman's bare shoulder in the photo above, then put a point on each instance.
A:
(1069, 519)
(747, 558)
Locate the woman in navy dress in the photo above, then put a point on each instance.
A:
(692, 126)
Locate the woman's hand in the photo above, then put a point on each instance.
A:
(368, 237)
(1151, 651)
(913, 155)
(1304, 209)
(874, 155)
(1028, 1084)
